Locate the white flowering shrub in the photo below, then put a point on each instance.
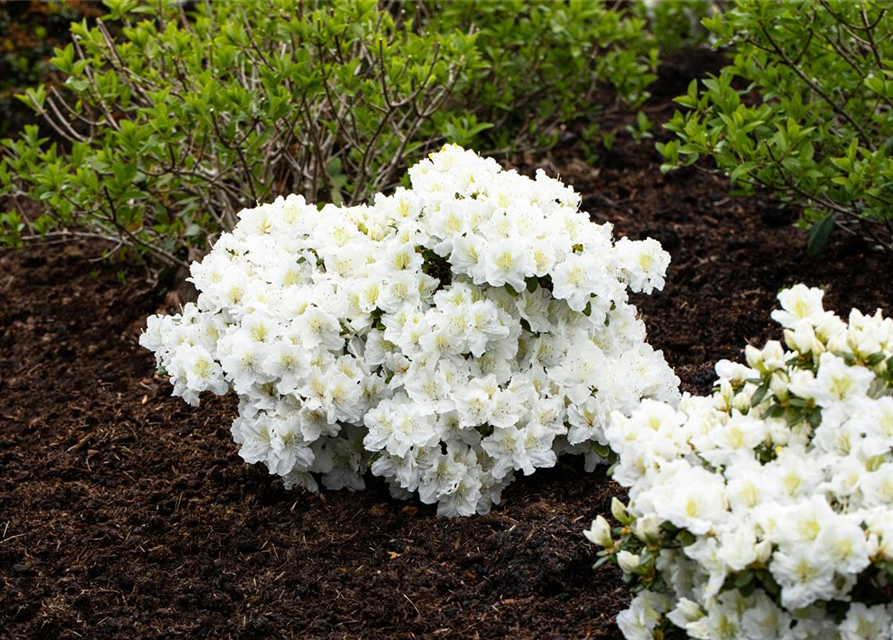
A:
(766, 509)
(446, 336)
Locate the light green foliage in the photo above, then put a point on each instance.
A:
(162, 133)
(677, 23)
(180, 123)
(30, 31)
(543, 63)
(805, 109)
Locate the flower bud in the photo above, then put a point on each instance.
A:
(838, 343)
(754, 358)
(773, 356)
(735, 373)
(830, 327)
(802, 338)
(618, 510)
(875, 546)
(686, 612)
(763, 550)
(647, 529)
(723, 399)
(629, 562)
(790, 339)
(741, 402)
(599, 533)
(778, 384)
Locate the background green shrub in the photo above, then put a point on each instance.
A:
(805, 110)
(30, 31)
(181, 122)
(161, 134)
(545, 62)
(678, 24)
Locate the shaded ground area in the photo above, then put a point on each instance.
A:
(124, 513)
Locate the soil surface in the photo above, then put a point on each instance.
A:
(124, 513)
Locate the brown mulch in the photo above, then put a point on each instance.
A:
(126, 514)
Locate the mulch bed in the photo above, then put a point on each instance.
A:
(125, 513)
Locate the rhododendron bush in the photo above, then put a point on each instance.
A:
(444, 336)
(766, 509)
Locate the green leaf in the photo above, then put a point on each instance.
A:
(820, 232)
(602, 450)
(759, 394)
(744, 578)
(875, 359)
(743, 169)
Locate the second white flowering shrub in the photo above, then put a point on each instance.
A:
(445, 336)
(765, 510)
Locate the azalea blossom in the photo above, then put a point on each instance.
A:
(444, 337)
(766, 507)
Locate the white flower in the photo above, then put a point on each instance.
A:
(692, 498)
(629, 562)
(804, 576)
(430, 389)
(577, 278)
(844, 542)
(738, 548)
(475, 402)
(507, 262)
(686, 612)
(802, 337)
(396, 425)
(408, 336)
(644, 264)
(763, 620)
(721, 621)
(838, 382)
(342, 399)
(255, 438)
(194, 370)
(644, 614)
(587, 422)
(243, 360)
(442, 478)
(866, 623)
(287, 448)
(288, 364)
(577, 372)
(732, 371)
(505, 446)
(599, 533)
(799, 303)
(877, 486)
(464, 501)
(316, 328)
(787, 468)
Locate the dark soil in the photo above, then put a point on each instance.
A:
(126, 514)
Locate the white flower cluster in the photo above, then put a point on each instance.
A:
(445, 336)
(766, 510)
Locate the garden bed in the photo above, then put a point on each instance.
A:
(125, 513)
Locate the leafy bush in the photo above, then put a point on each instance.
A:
(31, 30)
(766, 509)
(677, 24)
(818, 130)
(543, 63)
(445, 336)
(182, 121)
